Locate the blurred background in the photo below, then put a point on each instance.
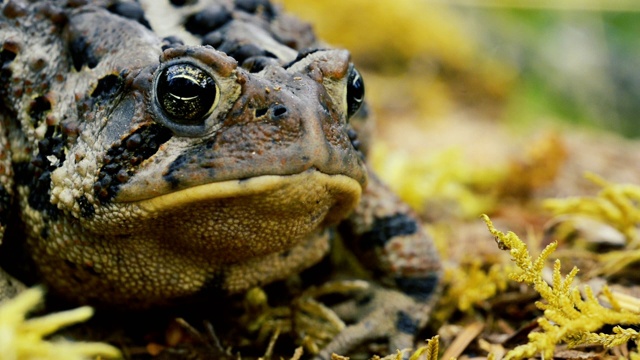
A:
(521, 62)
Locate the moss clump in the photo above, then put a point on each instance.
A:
(24, 339)
(569, 317)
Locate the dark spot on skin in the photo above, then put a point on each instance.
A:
(6, 57)
(130, 10)
(86, 208)
(5, 205)
(38, 107)
(419, 288)
(259, 7)
(14, 9)
(256, 64)
(56, 14)
(353, 138)
(386, 228)
(39, 195)
(39, 184)
(406, 324)
(122, 176)
(207, 20)
(213, 38)
(36, 175)
(175, 166)
(301, 55)
(38, 64)
(243, 52)
(134, 141)
(108, 86)
(82, 53)
(179, 3)
(170, 42)
(51, 145)
(121, 159)
(180, 162)
(229, 47)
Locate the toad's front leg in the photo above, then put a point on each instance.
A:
(388, 239)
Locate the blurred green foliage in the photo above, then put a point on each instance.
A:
(579, 66)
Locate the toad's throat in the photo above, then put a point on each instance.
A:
(235, 220)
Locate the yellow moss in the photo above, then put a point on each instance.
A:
(426, 352)
(568, 317)
(25, 339)
(469, 284)
(446, 184)
(440, 180)
(430, 351)
(615, 204)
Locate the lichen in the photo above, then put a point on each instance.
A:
(24, 339)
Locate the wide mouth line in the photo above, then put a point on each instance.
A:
(242, 188)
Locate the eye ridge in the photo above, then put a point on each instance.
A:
(186, 93)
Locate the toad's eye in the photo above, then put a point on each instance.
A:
(355, 91)
(186, 93)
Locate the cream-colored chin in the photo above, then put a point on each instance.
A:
(235, 220)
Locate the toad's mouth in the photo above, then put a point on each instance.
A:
(236, 219)
(276, 191)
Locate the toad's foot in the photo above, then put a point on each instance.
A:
(381, 314)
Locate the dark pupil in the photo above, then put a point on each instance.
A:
(186, 93)
(183, 88)
(355, 92)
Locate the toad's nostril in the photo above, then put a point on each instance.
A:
(261, 112)
(278, 111)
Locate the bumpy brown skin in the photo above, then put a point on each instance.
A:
(130, 201)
